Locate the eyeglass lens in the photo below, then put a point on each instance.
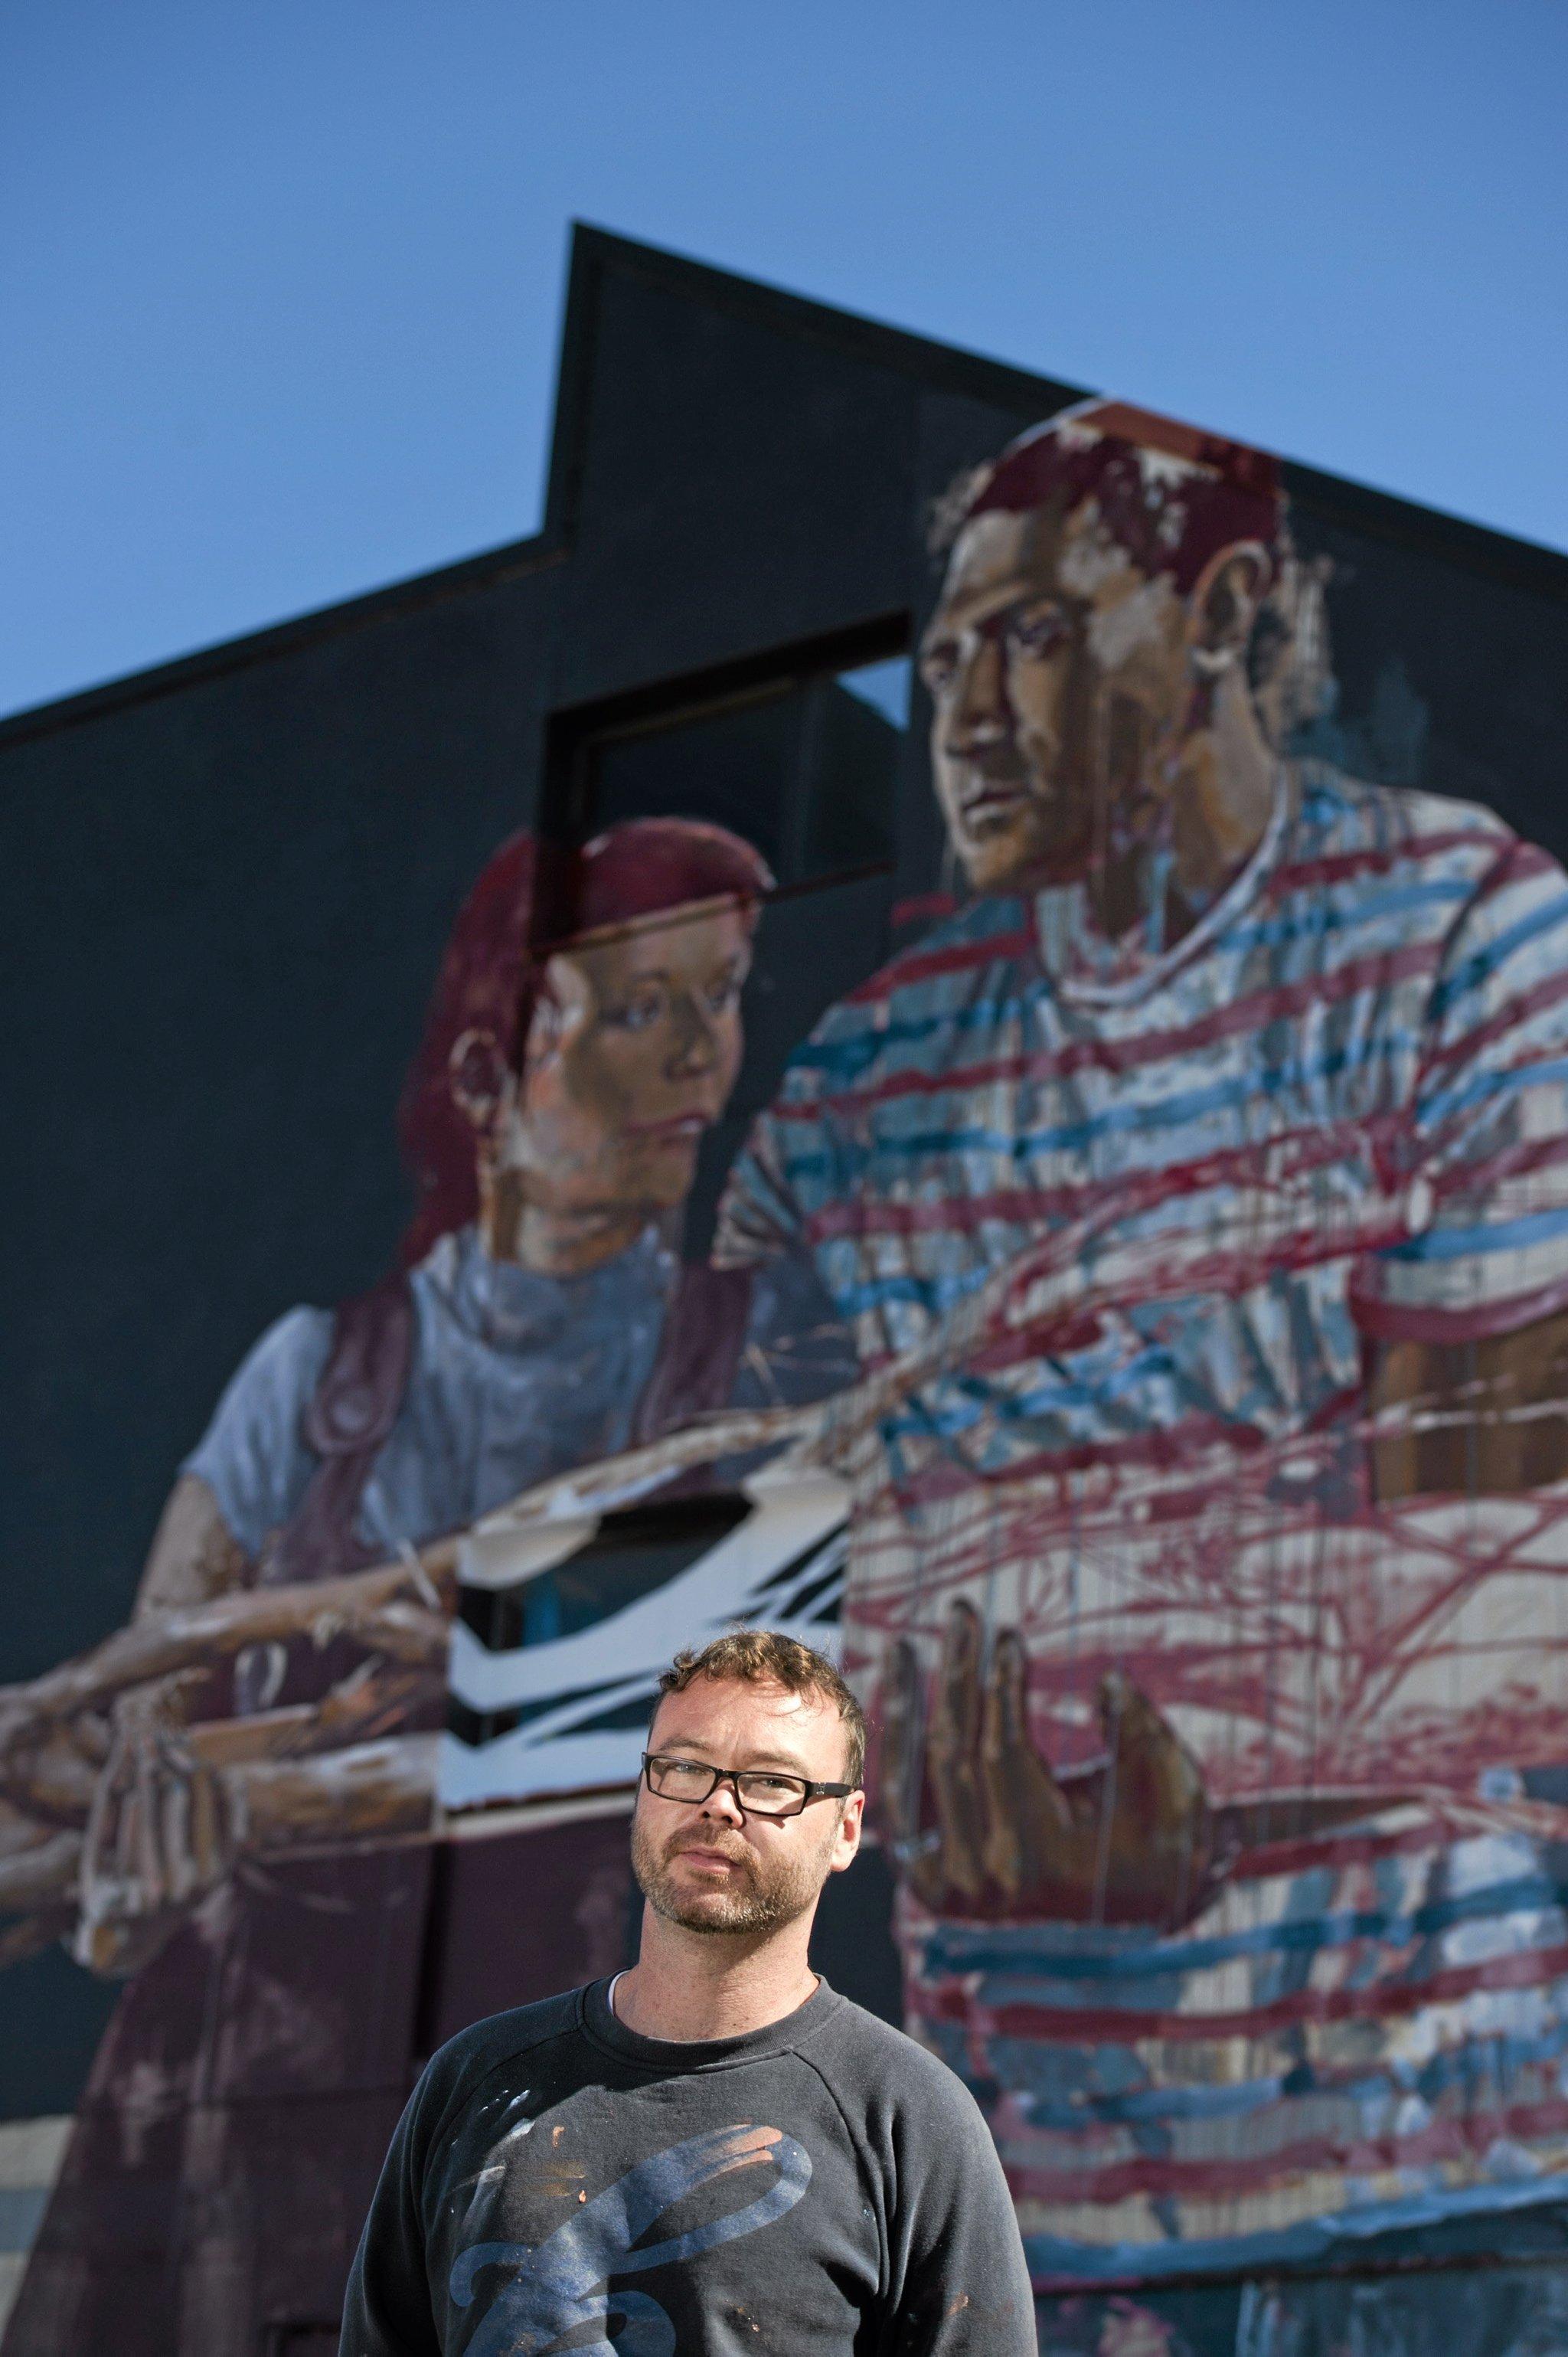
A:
(691, 1779)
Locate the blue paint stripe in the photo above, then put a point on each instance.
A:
(1010, 986)
(1009, 1970)
(845, 1057)
(1311, 915)
(1173, 1112)
(1478, 968)
(1478, 2062)
(1091, 2114)
(1488, 1086)
(1464, 1243)
(956, 1405)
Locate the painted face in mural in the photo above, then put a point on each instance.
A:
(710, 1867)
(632, 1052)
(1057, 671)
(1093, 712)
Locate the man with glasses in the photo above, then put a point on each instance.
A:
(714, 2151)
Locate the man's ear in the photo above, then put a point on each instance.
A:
(1224, 605)
(481, 1078)
(851, 1825)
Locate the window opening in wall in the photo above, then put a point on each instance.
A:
(803, 764)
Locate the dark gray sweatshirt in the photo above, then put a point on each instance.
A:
(818, 2188)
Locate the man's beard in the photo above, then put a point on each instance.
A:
(758, 1899)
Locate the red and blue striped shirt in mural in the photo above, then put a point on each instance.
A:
(1334, 1115)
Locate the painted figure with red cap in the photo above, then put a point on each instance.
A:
(552, 1121)
(1211, 1592)
(543, 1318)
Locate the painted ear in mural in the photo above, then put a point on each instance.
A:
(480, 1079)
(984, 1828)
(1290, 662)
(1223, 609)
(485, 1091)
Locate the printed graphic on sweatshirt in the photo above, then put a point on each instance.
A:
(535, 2295)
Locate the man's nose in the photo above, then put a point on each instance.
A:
(980, 713)
(722, 1801)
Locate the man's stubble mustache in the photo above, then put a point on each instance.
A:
(755, 1909)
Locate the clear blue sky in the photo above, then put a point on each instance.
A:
(280, 280)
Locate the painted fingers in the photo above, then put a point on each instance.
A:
(162, 1832)
(982, 1824)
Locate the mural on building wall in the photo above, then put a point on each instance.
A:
(1165, 1258)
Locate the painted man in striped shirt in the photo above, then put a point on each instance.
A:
(1213, 1600)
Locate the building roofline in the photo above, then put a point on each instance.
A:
(1527, 564)
(1478, 548)
(317, 624)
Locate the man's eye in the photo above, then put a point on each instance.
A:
(723, 994)
(939, 665)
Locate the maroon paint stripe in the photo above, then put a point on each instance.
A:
(1269, 1861)
(1310, 1150)
(1121, 1057)
(1373, 859)
(1454, 2139)
(1521, 1006)
(1388, 1321)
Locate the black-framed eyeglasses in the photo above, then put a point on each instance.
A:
(758, 1791)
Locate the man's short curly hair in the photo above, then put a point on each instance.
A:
(766, 1657)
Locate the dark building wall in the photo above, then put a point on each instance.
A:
(733, 494)
(226, 898)
(226, 892)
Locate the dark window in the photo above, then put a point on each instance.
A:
(804, 766)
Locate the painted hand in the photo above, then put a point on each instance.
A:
(163, 1833)
(986, 1828)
